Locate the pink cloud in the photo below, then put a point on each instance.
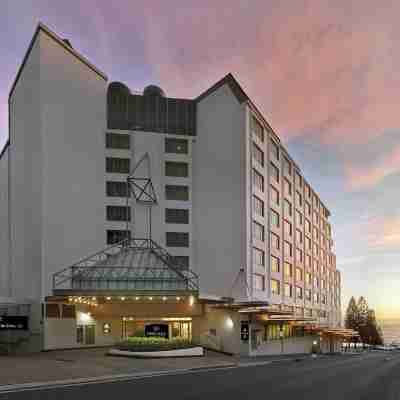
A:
(383, 234)
(360, 177)
(316, 68)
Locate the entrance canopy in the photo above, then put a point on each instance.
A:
(133, 266)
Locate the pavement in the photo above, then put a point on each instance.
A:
(367, 376)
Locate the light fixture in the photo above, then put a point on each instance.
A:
(150, 298)
(164, 298)
(229, 323)
(94, 298)
(137, 298)
(178, 298)
(108, 298)
(191, 300)
(122, 298)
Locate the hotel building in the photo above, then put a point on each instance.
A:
(122, 209)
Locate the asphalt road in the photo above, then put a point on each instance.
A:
(374, 376)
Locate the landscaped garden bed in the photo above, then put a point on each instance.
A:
(156, 347)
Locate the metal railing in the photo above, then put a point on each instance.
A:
(91, 273)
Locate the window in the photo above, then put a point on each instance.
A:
(274, 219)
(299, 236)
(316, 282)
(176, 216)
(258, 180)
(323, 284)
(315, 250)
(259, 282)
(287, 270)
(316, 218)
(287, 167)
(116, 236)
(275, 267)
(308, 208)
(299, 256)
(299, 218)
(287, 208)
(274, 172)
(288, 290)
(308, 297)
(118, 165)
(299, 199)
(316, 297)
(258, 231)
(299, 292)
(308, 190)
(177, 239)
(308, 244)
(117, 141)
(257, 129)
(298, 179)
(308, 261)
(181, 261)
(287, 228)
(118, 213)
(116, 189)
(315, 233)
(274, 150)
(287, 187)
(308, 278)
(275, 287)
(178, 169)
(177, 192)
(299, 274)
(274, 195)
(259, 257)
(176, 146)
(275, 241)
(258, 206)
(308, 226)
(258, 154)
(287, 249)
(316, 266)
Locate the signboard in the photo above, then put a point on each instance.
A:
(156, 330)
(244, 331)
(13, 323)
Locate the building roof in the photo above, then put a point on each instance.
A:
(62, 42)
(4, 148)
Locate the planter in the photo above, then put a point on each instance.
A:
(189, 352)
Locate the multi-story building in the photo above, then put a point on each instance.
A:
(200, 189)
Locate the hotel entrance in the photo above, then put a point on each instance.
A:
(168, 328)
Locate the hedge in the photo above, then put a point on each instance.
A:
(153, 344)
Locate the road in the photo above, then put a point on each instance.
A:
(374, 376)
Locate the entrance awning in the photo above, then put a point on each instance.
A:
(339, 332)
(133, 266)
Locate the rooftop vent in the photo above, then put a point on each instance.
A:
(153, 90)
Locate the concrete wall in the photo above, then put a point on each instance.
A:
(4, 227)
(26, 154)
(219, 203)
(73, 117)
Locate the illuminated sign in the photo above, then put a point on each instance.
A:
(244, 331)
(13, 323)
(106, 328)
(156, 330)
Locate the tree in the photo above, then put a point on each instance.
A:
(352, 317)
(363, 311)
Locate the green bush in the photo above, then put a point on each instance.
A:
(135, 343)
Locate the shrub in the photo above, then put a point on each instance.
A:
(135, 343)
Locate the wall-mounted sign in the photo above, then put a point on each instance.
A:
(156, 330)
(244, 331)
(106, 328)
(13, 323)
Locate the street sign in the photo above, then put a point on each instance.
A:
(13, 323)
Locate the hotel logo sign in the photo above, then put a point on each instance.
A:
(13, 323)
(156, 330)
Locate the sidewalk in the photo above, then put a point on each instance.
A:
(86, 365)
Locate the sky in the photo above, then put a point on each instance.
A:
(323, 73)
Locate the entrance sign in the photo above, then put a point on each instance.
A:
(244, 331)
(156, 330)
(13, 323)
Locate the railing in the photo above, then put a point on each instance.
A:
(90, 274)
